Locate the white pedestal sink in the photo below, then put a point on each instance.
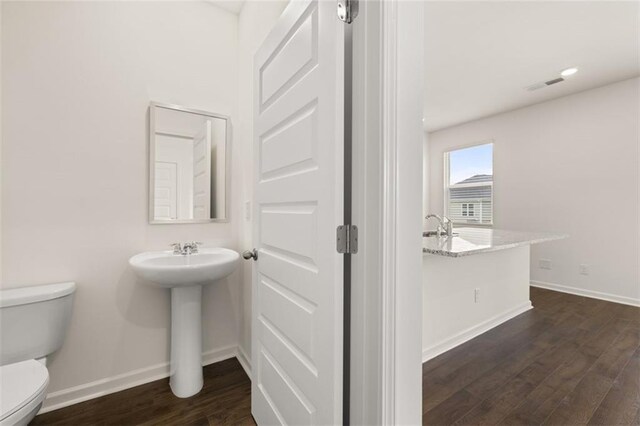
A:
(185, 275)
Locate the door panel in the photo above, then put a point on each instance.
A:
(298, 196)
(291, 147)
(166, 190)
(291, 229)
(295, 54)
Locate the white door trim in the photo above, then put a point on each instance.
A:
(387, 207)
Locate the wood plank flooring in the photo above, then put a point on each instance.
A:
(569, 361)
(225, 399)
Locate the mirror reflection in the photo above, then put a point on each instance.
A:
(188, 164)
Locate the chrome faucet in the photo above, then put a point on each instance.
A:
(191, 248)
(438, 230)
(448, 228)
(186, 248)
(442, 229)
(177, 248)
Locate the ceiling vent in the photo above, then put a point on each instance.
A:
(542, 85)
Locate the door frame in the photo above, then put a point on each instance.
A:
(387, 198)
(386, 282)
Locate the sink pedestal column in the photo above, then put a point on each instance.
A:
(186, 340)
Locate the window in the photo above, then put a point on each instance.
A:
(469, 185)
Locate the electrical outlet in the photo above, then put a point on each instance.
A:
(545, 264)
(583, 269)
(476, 295)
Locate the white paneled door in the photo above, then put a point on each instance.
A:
(166, 191)
(298, 203)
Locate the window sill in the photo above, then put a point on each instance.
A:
(472, 225)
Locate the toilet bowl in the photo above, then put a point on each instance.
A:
(24, 387)
(33, 323)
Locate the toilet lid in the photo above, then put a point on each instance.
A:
(20, 383)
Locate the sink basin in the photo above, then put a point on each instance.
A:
(185, 276)
(165, 269)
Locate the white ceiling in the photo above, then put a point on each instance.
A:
(233, 6)
(480, 56)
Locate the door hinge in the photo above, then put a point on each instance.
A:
(347, 10)
(347, 239)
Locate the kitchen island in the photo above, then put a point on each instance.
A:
(473, 281)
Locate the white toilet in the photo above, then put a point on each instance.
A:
(33, 323)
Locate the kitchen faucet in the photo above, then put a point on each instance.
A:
(449, 226)
(442, 229)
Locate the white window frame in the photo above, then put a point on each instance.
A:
(447, 186)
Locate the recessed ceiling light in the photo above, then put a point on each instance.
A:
(568, 72)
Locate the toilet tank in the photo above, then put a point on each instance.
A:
(34, 320)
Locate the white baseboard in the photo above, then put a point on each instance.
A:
(244, 360)
(468, 334)
(587, 293)
(85, 392)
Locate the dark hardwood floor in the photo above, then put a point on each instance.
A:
(225, 399)
(569, 361)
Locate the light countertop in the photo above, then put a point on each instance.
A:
(481, 240)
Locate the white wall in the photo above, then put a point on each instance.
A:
(568, 165)
(254, 23)
(77, 80)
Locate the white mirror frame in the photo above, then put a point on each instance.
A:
(152, 156)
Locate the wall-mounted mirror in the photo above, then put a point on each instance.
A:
(189, 165)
